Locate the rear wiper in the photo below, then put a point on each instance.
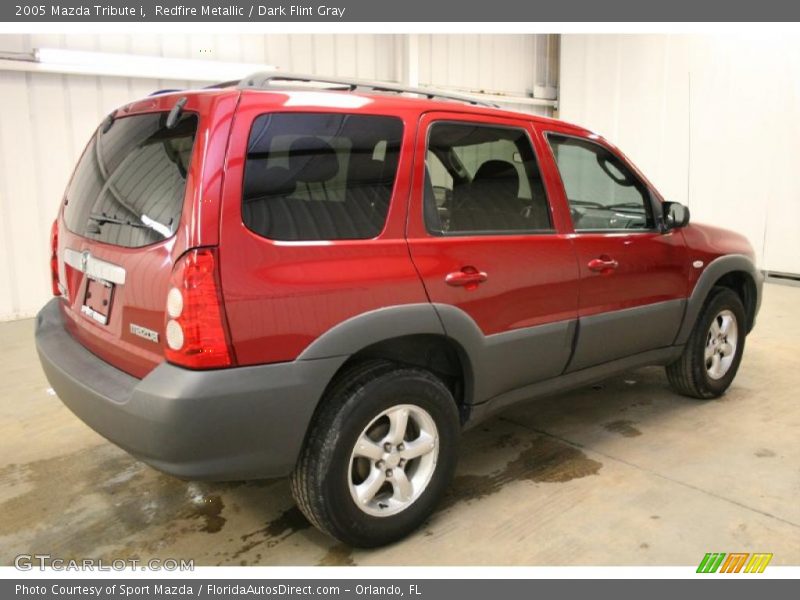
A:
(101, 219)
(159, 228)
(147, 223)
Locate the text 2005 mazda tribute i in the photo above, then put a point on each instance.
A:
(259, 280)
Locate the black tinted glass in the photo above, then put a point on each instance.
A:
(481, 180)
(129, 185)
(314, 176)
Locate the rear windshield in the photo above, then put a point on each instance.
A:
(129, 185)
(313, 176)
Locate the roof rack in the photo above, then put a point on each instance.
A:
(264, 79)
(222, 84)
(165, 91)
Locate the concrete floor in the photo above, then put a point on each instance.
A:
(623, 473)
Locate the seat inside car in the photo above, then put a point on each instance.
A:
(491, 201)
(306, 202)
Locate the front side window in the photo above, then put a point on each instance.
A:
(128, 188)
(603, 192)
(482, 179)
(320, 176)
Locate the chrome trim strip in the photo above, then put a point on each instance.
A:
(94, 267)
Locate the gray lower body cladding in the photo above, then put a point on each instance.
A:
(609, 336)
(238, 423)
(571, 380)
(506, 362)
(251, 422)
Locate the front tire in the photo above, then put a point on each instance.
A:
(713, 352)
(380, 454)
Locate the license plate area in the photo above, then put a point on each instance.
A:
(97, 300)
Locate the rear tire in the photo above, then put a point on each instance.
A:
(380, 454)
(713, 352)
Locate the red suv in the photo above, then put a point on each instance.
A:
(331, 280)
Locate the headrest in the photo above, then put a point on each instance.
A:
(367, 171)
(496, 169)
(498, 175)
(312, 160)
(274, 181)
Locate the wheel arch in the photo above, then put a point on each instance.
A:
(736, 272)
(437, 353)
(410, 334)
(745, 287)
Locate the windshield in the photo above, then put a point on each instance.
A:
(129, 185)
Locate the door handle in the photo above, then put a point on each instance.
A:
(603, 264)
(468, 277)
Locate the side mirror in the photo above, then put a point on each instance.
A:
(675, 215)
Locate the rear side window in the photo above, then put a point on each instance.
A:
(315, 176)
(482, 179)
(129, 185)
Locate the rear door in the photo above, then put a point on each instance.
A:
(313, 218)
(485, 242)
(128, 214)
(633, 277)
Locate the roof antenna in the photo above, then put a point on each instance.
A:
(175, 113)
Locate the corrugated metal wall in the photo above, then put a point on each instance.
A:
(516, 65)
(46, 119)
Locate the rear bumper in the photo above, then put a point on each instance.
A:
(227, 424)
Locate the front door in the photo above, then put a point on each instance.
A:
(633, 277)
(482, 236)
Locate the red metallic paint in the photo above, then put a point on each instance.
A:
(280, 296)
(531, 279)
(651, 266)
(141, 300)
(705, 243)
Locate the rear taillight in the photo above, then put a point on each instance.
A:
(54, 259)
(196, 332)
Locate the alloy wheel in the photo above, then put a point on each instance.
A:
(721, 341)
(393, 460)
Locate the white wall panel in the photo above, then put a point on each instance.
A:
(504, 64)
(714, 121)
(46, 119)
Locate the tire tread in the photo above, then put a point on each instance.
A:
(309, 480)
(304, 480)
(686, 375)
